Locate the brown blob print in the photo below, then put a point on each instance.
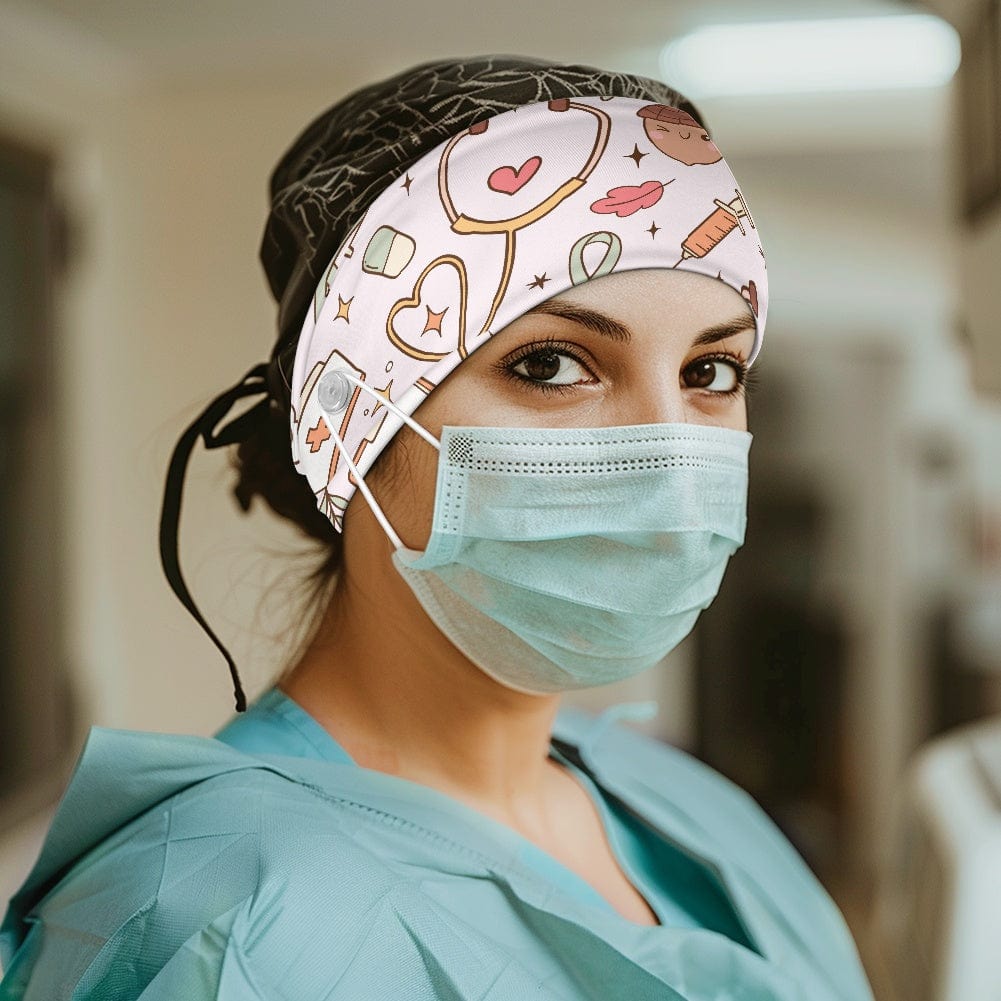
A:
(677, 135)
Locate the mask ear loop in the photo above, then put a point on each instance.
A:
(333, 392)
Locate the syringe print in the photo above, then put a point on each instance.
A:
(718, 224)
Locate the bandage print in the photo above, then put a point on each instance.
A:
(323, 288)
(326, 282)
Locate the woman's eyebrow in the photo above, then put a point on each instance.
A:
(725, 329)
(603, 324)
(590, 318)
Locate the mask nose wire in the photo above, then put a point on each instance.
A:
(333, 393)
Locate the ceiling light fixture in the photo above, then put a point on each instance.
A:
(787, 57)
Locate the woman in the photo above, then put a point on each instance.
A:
(517, 304)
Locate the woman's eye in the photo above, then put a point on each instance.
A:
(552, 367)
(715, 374)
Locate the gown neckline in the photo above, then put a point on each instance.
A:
(563, 752)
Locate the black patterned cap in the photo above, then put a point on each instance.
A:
(342, 161)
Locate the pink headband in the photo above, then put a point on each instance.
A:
(508, 213)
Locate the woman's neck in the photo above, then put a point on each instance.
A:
(400, 698)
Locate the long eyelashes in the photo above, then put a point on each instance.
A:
(732, 361)
(506, 366)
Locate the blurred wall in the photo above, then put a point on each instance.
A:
(980, 239)
(164, 304)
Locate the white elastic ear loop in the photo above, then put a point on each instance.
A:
(333, 393)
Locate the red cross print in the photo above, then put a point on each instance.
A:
(318, 435)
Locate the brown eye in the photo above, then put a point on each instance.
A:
(543, 365)
(712, 373)
(550, 367)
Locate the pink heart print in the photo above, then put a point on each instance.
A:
(507, 180)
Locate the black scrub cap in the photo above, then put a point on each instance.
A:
(330, 175)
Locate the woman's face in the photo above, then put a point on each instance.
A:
(639, 347)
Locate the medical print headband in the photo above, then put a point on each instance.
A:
(510, 211)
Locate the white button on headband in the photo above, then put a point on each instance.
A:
(333, 391)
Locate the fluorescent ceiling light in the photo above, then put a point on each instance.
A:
(788, 57)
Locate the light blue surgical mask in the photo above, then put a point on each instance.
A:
(569, 558)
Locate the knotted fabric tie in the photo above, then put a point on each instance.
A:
(254, 383)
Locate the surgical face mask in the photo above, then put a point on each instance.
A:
(569, 558)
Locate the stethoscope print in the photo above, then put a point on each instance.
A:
(509, 180)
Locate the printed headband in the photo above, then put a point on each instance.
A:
(507, 213)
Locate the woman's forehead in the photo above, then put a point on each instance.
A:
(683, 299)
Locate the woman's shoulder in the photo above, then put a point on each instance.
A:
(190, 789)
(177, 858)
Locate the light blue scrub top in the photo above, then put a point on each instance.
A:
(267, 866)
(680, 892)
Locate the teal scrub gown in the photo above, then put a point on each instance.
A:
(266, 864)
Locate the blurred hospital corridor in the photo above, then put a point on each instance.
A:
(848, 676)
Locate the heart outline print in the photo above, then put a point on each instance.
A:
(413, 301)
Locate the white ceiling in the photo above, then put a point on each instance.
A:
(184, 42)
(161, 37)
